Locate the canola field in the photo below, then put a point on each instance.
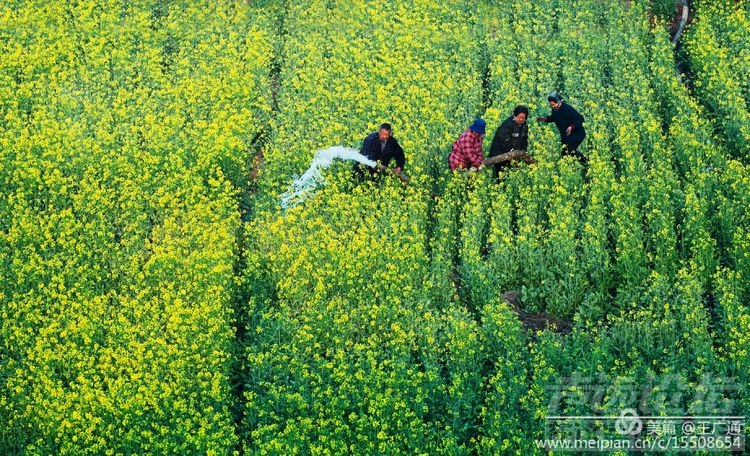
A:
(155, 298)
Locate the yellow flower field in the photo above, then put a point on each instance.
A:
(157, 299)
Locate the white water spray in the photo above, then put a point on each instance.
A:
(303, 186)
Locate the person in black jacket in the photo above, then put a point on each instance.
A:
(381, 147)
(569, 123)
(512, 134)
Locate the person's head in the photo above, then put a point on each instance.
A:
(384, 132)
(555, 100)
(520, 114)
(479, 126)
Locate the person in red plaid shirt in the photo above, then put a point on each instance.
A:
(467, 150)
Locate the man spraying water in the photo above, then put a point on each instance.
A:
(381, 147)
(303, 186)
(378, 150)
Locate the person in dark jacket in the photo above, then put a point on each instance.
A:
(569, 123)
(383, 148)
(513, 134)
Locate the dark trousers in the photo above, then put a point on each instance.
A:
(499, 167)
(574, 140)
(571, 144)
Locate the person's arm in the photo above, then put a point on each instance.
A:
(461, 151)
(398, 155)
(546, 119)
(572, 118)
(370, 149)
(501, 141)
(365, 146)
(496, 146)
(474, 154)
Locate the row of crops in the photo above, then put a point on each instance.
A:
(141, 315)
(719, 56)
